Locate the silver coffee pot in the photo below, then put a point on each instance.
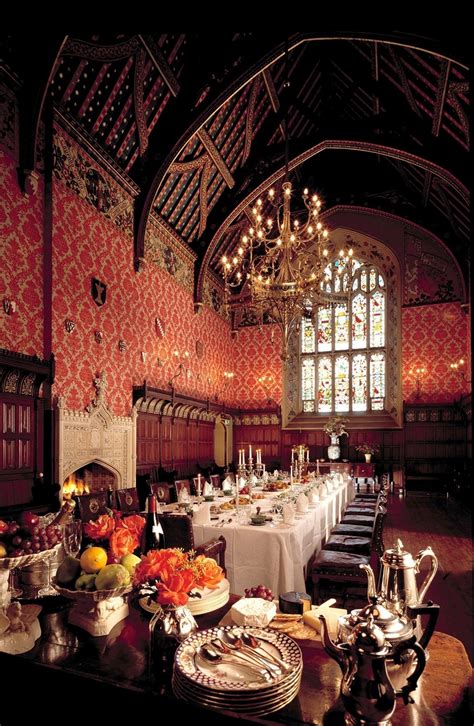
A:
(398, 587)
(367, 691)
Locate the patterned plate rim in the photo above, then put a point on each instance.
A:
(289, 650)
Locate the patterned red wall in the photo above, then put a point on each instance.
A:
(21, 278)
(257, 354)
(87, 245)
(433, 337)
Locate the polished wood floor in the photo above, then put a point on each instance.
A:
(420, 520)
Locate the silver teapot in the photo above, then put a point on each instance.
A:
(398, 587)
(367, 692)
(400, 636)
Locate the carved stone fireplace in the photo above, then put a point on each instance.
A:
(95, 445)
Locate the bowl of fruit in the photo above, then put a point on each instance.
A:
(29, 540)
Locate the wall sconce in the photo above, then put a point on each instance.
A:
(418, 373)
(9, 306)
(69, 325)
(458, 366)
(229, 374)
(122, 346)
(180, 369)
(98, 336)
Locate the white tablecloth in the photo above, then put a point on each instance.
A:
(276, 556)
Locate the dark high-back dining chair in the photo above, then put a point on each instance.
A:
(127, 500)
(91, 506)
(182, 484)
(216, 481)
(162, 491)
(178, 531)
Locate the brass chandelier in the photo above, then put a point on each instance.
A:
(282, 265)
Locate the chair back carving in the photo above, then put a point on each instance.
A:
(127, 500)
(182, 484)
(216, 481)
(91, 506)
(162, 491)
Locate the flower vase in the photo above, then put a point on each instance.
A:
(169, 626)
(368, 458)
(334, 450)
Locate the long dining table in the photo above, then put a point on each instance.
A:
(275, 556)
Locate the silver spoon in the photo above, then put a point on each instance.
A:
(248, 655)
(252, 642)
(209, 654)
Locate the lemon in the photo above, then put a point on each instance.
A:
(93, 559)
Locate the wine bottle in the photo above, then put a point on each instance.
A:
(65, 513)
(153, 537)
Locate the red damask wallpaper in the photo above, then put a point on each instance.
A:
(433, 337)
(21, 255)
(87, 245)
(257, 355)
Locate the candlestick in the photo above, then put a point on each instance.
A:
(199, 485)
(317, 466)
(250, 451)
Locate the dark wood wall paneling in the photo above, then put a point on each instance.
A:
(173, 443)
(259, 436)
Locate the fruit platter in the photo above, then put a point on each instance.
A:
(27, 542)
(97, 590)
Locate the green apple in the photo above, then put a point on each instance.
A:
(130, 561)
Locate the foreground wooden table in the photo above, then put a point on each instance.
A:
(70, 676)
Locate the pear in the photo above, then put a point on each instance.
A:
(68, 571)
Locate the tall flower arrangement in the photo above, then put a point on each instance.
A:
(171, 576)
(336, 426)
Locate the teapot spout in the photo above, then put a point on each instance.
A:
(371, 589)
(330, 647)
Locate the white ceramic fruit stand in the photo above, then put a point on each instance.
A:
(98, 611)
(19, 626)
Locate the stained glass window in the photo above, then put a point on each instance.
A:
(359, 321)
(307, 384)
(377, 320)
(307, 336)
(341, 380)
(359, 383)
(341, 321)
(324, 394)
(324, 329)
(356, 380)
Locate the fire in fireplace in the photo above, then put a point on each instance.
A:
(87, 480)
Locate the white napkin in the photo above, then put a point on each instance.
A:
(227, 484)
(241, 482)
(253, 480)
(275, 472)
(207, 490)
(265, 476)
(183, 496)
(202, 515)
(288, 513)
(313, 496)
(302, 503)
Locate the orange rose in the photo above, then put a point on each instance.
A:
(154, 562)
(134, 523)
(122, 542)
(210, 574)
(101, 528)
(174, 587)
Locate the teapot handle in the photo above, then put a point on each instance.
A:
(412, 680)
(425, 609)
(428, 552)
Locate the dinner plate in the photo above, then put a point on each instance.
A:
(209, 601)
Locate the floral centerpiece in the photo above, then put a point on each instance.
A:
(118, 535)
(172, 576)
(366, 448)
(336, 426)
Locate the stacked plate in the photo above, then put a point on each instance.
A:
(231, 682)
(208, 601)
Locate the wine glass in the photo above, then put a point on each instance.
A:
(72, 537)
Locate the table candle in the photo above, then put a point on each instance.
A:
(199, 485)
(317, 466)
(250, 451)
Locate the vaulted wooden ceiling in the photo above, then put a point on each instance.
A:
(195, 121)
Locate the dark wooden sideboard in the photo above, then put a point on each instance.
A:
(70, 676)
